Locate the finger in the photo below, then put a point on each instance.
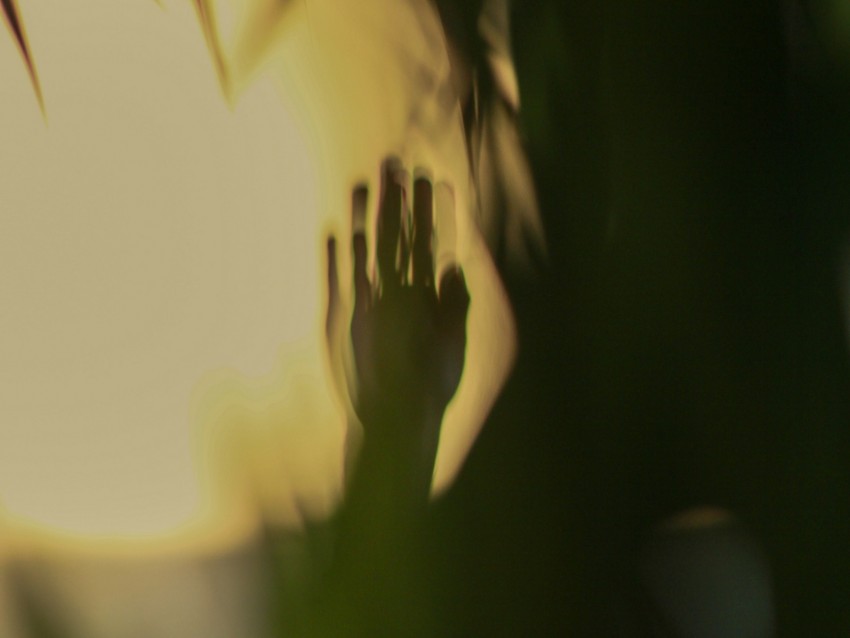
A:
(454, 295)
(333, 288)
(362, 287)
(359, 201)
(451, 325)
(405, 235)
(423, 229)
(445, 232)
(389, 224)
(333, 321)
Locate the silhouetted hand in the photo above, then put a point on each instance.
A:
(408, 336)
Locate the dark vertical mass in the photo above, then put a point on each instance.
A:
(685, 345)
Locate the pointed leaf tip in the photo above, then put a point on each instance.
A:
(206, 16)
(13, 21)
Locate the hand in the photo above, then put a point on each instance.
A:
(408, 336)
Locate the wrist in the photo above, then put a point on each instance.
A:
(399, 445)
(399, 410)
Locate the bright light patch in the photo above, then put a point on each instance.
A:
(149, 236)
(162, 367)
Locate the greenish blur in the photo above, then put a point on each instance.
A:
(685, 343)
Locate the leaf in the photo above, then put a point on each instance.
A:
(206, 16)
(13, 21)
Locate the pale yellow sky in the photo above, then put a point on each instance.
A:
(161, 356)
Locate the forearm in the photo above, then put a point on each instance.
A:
(379, 529)
(393, 469)
(408, 345)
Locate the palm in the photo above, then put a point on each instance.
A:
(409, 345)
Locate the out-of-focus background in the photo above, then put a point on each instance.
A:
(685, 342)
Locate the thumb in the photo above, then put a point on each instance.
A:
(454, 296)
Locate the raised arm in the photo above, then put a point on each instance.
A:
(408, 334)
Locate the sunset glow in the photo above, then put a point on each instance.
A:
(164, 377)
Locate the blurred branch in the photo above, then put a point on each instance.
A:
(12, 16)
(206, 16)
